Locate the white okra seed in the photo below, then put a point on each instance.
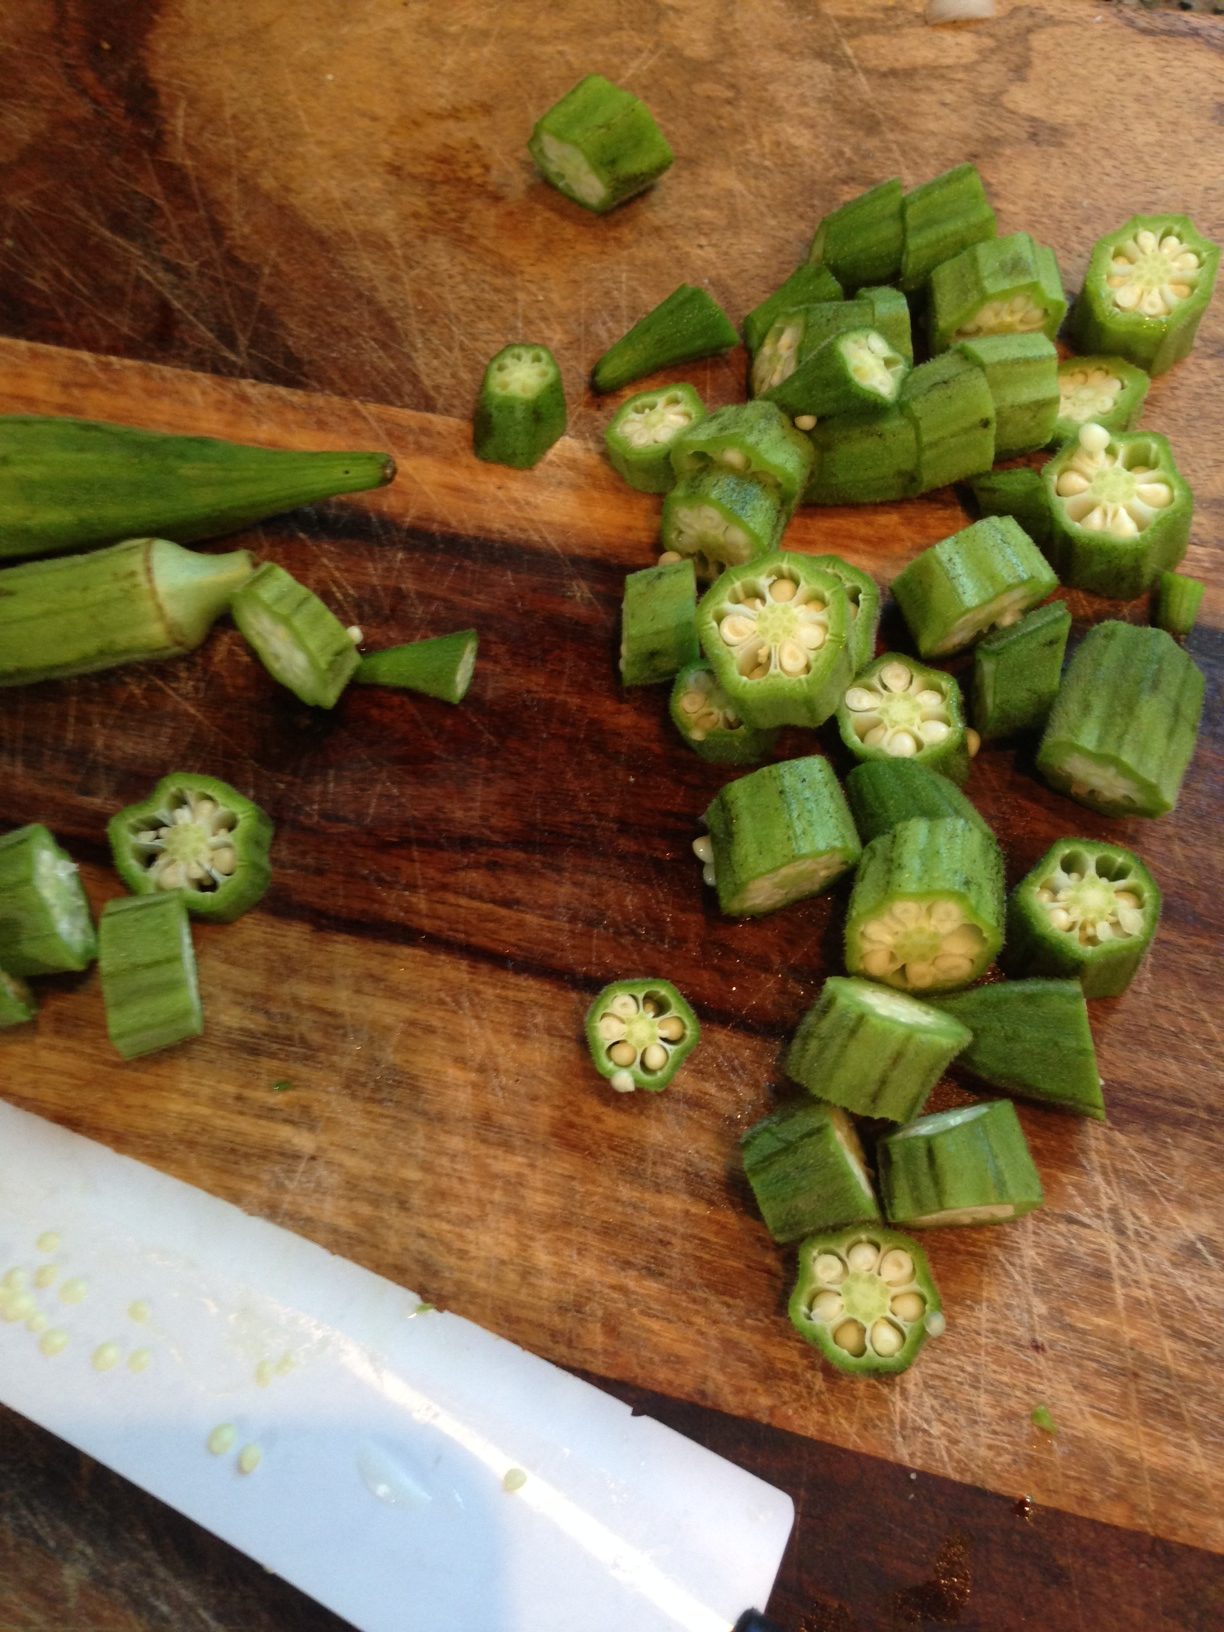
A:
(703, 848)
(862, 1256)
(885, 1338)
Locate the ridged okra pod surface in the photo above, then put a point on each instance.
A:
(970, 1165)
(599, 145)
(658, 633)
(148, 972)
(753, 439)
(1022, 373)
(45, 922)
(883, 793)
(861, 241)
(1032, 1038)
(520, 411)
(1017, 671)
(986, 575)
(807, 1171)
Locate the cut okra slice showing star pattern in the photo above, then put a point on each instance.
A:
(807, 1171)
(939, 219)
(599, 145)
(1016, 672)
(148, 970)
(753, 439)
(721, 519)
(985, 576)
(1176, 603)
(866, 1298)
(861, 241)
(658, 632)
(1088, 911)
(1106, 391)
(640, 1032)
(857, 372)
(961, 1167)
(687, 325)
(640, 434)
(707, 719)
(1000, 286)
(949, 404)
(520, 411)
(897, 708)
(18, 1005)
(863, 459)
(807, 285)
(302, 644)
(883, 793)
(45, 922)
(863, 596)
(1022, 373)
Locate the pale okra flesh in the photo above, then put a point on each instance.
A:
(639, 1033)
(807, 1171)
(1016, 672)
(807, 284)
(720, 519)
(897, 708)
(520, 411)
(961, 1167)
(639, 435)
(855, 372)
(1019, 493)
(793, 339)
(1106, 391)
(866, 1298)
(599, 145)
(45, 923)
(658, 633)
(1001, 286)
(753, 439)
(301, 643)
(708, 721)
(984, 577)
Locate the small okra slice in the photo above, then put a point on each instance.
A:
(861, 241)
(658, 633)
(721, 519)
(753, 439)
(806, 285)
(1176, 603)
(1145, 291)
(17, 1005)
(782, 357)
(926, 911)
(1120, 511)
(967, 1166)
(640, 434)
(863, 459)
(949, 404)
(441, 666)
(776, 632)
(639, 1033)
(1124, 724)
(866, 1298)
(199, 837)
(883, 793)
(1019, 493)
(890, 314)
(302, 644)
(863, 594)
(1000, 286)
(871, 1050)
(1106, 391)
(1088, 912)
(941, 218)
(148, 969)
(707, 720)
(1022, 373)
(599, 145)
(687, 325)
(853, 373)
(520, 411)
(897, 708)
(987, 575)
(777, 835)
(1016, 672)
(807, 1171)
(45, 923)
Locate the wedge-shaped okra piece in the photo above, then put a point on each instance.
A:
(1176, 604)
(1018, 493)
(1106, 391)
(687, 325)
(748, 439)
(1123, 726)
(863, 459)
(1088, 911)
(599, 145)
(863, 594)
(883, 793)
(640, 434)
(780, 366)
(856, 372)
(872, 1051)
(949, 404)
(1000, 286)
(861, 241)
(1120, 511)
(721, 519)
(897, 708)
(890, 314)
(808, 284)
(777, 835)
(807, 1171)
(986, 575)
(520, 411)
(926, 912)
(658, 633)
(45, 923)
(640, 1032)
(198, 837)
(866, 1298)
(1145, 290)
(967, 1166)
(302, 644)
(941, 218)
(1032, 1038)
(441, 666)
(17, 1006)
(776, 631)
(1022, 373)
(1016, 672)
(148, 970)
(708, 721)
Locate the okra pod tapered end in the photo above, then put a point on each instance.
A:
(639, 1033)
(441, 666)
(45, 923)
(599, 145)
(688, 325)
(866, 1298)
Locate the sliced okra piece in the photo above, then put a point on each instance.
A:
(967, 1166)
(863, 594)
(520, 411)
(640, 1033)
(302, 644)
(897, 708)
(1145, 290)
(1032, 1038)
(721, 519)
(873, 1051)
(807, 1171)
(1018, 493)
(866, 1298)
(1120, 511)
(440, 667)
(776, 631)
(148, 970)
(861, 241)
(926, 912)
(780, 366)
(658, 633)
(199, 837)
(708, 721)
(809, 283)
(1124, 724)
(777, 835)
(753, 439)
(985, 576)
(1088, 911)
(948, 401)
(941, 218)
(687, 325)
(17, 1006)
(890, 314)
(863, 459)
(599, 145)
(641, 432)
(883, 793)
(1001, 286)
(1016, 672)
(45, 924)
(1177, 601)
(1022, 373)
(1105, 391)
(853, 373)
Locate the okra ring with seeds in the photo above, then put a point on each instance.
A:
(709, 722)
(1106, 391)
(897, 708)
(639, 1033)
(639, 435)
(1145, 291)
(866, 1298)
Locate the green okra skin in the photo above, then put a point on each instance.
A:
(863, 460)
(853, 373)
(721, 519)
(441, 666)
(639, 1033)
(708, 721)
(1022, 373)
(754, 439)
(640, 434)
(873, 1051)
(940, 219)
(1087, 912)
(1176, 603)
(520, 411)
(302, 644)
(1120, 511)
(780, 365)
(1032, 1038)
(1016, 672)
(926, 911)
(1018, 493)
(45, 922)
(883, 793)
(865, 1298)
(138, 602)
(148, 970)
(1145, 292)
(688, 325)
(776, 631)
(999, 286)
(897, 708)
(987, 575)
(807, 1171)
(599, 145)
(196, 837)
(890, 314)
(948, 401)
(967, 1166)
(863, 595)
(807, 284)
(1124, 724)
(1106, 391)
(658, 634)
(861, 241)
(777, 835)
(18, 1005)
